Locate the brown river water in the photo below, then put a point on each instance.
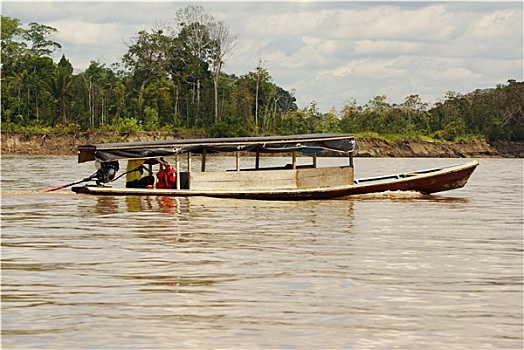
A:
(386, 271)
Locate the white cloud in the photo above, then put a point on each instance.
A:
(382, 47)
(81, 33)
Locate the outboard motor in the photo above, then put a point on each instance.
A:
(106, 171)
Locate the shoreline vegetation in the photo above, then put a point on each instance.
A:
(33, 143)
(170, 84)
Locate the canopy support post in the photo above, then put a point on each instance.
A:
(351, 159)
(257, 160)
(177, 164)
(189, 158)
(314, 160)
(203, 167)
(238, 160)
(294, 161)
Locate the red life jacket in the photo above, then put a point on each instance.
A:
(166, 177)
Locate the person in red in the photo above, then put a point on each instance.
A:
(166, 176)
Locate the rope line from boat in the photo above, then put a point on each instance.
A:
(96, 175)
(86, 179)
(128, 172)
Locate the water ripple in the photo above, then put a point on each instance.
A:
(381, 271)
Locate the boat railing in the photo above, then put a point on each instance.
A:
(384, 178)
(285, 167)
(401, 176)
(375, 179)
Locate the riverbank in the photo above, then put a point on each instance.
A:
(67, 143)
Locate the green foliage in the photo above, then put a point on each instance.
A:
(226, 130)
(37, 126)
(172, 80)
(482, 114)
(492, 114)
(124, 124)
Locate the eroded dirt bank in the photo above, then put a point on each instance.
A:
(66, 144)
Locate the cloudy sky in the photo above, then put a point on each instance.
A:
(327, 52)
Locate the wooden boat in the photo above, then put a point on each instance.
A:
(287, 182)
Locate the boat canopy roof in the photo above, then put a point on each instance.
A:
(312, 143)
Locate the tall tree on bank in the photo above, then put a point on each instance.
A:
(223, 45)
(147, 58)
(41, 49)
(99, 86)
(25, 67)
(39, 36)
(11, 35)
(13, 73)
(210, 41)
(59, 84)
(194, 23)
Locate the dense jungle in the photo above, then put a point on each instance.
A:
(171, 80)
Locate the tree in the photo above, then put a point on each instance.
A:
(375, 114)
(260, 90)
(414, 110)
(25, 71)
(188, 70)
(13, 73)
(511, 109)
(349, 117)
(222, 46)
(99, 86)
(38, 35)
(260, 73)
(448, 118)
(59, 84)
(195, 23)
(242, 100)
(147, 57)
(11, 35)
